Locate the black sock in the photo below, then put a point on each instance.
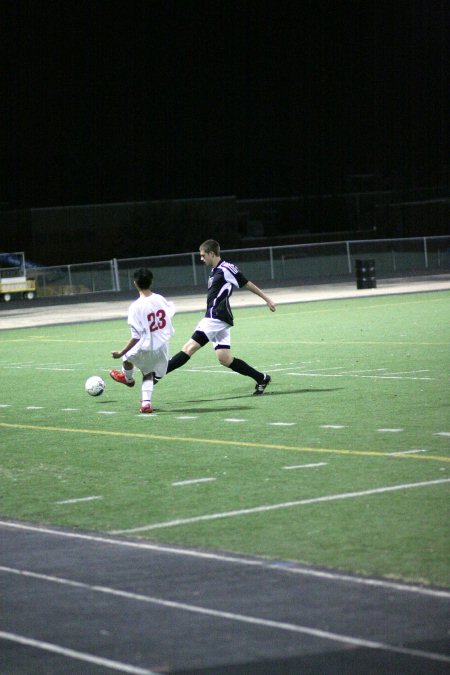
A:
(177, 361)
(243, 368)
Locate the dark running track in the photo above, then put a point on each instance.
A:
(86, 603)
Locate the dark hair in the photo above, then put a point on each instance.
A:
(210, 246)
(143, 278)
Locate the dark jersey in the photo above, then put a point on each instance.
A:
(222, 280)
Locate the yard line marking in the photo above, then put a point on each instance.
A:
(280, 370)
(74, 654)
(34, 407)
(372, 377)
(442, 433)
(332, 426)
(5, 405)
(53, 368)
(214, 372)
(234, 419)
(16, 363)
(403, 452)
(410, 372)
(273, 507)
(292, 568)
(106, 412)
(336, 368)
(305, 466)
(192, 481)
(232, 616)
(212, 441)
(78, 499)
(187, 417)
(69, 409)
(282, 424)
(390, 431)
(367, 370)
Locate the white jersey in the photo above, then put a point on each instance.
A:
(150, 320)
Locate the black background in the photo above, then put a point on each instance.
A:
(107, 101)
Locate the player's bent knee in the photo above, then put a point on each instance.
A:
(191, 347)
(224, 355)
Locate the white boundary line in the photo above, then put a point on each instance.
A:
(72, 653)
(283, 505)
(243, 618)
(290, 567)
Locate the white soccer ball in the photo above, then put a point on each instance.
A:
(94, 386)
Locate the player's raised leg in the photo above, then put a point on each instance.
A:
(126, 376)
(195, 343)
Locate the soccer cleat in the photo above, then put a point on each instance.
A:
(146, 408)
(259, 388)
(120, 377)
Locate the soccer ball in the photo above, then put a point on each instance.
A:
(94, 386)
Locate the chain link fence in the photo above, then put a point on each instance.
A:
(302, 263)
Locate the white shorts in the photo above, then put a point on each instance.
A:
(154, 361)
(217, 332)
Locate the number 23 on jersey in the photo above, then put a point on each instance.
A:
(156, 320)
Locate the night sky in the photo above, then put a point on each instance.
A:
(106, 101)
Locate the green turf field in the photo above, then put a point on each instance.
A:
(343, 463)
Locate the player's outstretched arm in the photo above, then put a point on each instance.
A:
(257, 291)
(131, 343)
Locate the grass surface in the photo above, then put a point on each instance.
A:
(353, 382)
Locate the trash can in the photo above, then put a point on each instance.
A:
(365, 274)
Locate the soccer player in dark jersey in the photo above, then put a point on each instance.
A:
(218, 319)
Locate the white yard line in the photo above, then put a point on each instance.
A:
(305, 466)
(224, 371)
(79, 499)
(282, 424)
(193, 481)
(348, 640)
(53, 368)
(372, 377)
(272, 507)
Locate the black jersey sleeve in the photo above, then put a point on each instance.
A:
(241, 280)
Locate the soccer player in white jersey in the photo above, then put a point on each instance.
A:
(216, 324)
(150, 321)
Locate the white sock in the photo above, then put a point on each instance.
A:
(128, 374)
(147, 391)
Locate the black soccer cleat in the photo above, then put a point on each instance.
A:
(259, 388)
